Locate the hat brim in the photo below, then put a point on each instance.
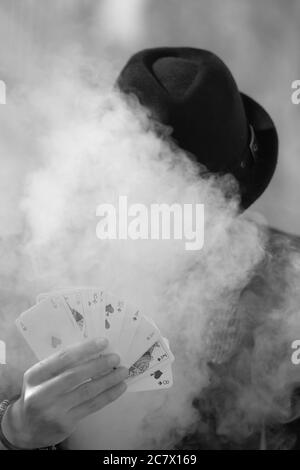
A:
(266, 134)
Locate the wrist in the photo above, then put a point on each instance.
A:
(12, 428)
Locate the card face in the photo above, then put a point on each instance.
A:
(157, 379)
(74, 305)
(131, 322)
(93, 300)
(145, 336)
(97, 314)
(114, 314)
(158, 355)
(48, 328)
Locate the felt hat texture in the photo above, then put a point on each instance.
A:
(193, 91)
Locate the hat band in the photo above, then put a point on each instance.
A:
(253, 145)
(253, 154)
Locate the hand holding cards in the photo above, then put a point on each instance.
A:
(70, 316)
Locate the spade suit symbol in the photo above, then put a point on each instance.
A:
(109, 309)
(157, 374)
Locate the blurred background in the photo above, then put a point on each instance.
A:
(257, 39)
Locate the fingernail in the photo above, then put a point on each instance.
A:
(113, 360)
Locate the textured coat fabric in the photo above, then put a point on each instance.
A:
(253, 399)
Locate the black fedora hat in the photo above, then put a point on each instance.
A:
(193, 91)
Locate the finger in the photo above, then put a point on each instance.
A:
(69, 357)
(90, 390)
(99, 402)
(72, 378)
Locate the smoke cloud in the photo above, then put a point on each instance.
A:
(69, 142)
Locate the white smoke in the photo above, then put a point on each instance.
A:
(70, 142)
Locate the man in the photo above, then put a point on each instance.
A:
(194, 93)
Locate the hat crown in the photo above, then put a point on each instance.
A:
(194, 93)
(175, 74)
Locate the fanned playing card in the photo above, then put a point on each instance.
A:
(145, 336)
(114, 313)
(74, 304)
(71, 315)
(156, 373)
(94, 306)
(158, 355)
(130, 325)
(48, 328)
(158, 379)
